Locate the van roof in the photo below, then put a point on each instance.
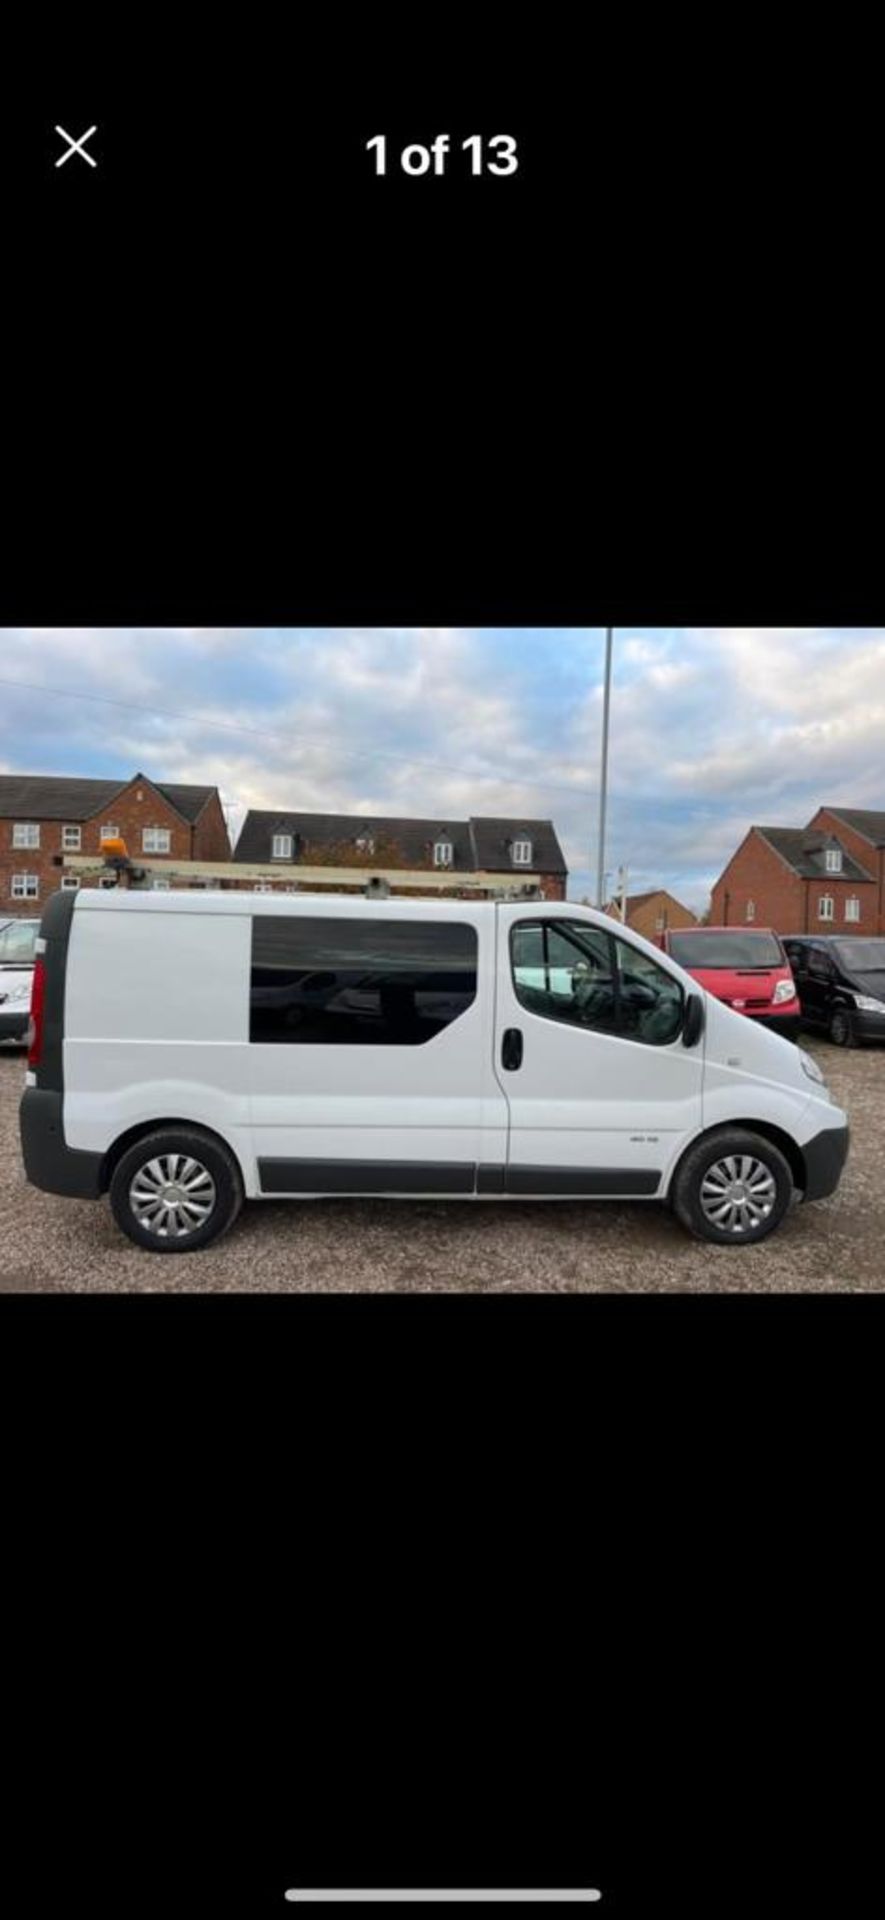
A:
(243, 900)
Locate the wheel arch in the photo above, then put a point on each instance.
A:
(166, 1122)
(766, 1130)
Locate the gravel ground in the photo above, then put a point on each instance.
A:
(380, 1246)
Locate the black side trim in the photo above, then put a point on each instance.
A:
(581, 1180)
(490, 1179)
(49, 1163)
(825, 1157)
(55, 929)
(366, 1176)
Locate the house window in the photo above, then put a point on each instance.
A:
(156, 840)
(282, 846)
(70, 839)
(69, 883)
(825, 907)
(25, 834)
(109, 831)
(660, 922)
(750, 910)
(365, 843)
(25, 886)
(833, 860)
(159, 883)
(852, 907)
(442, 853)
(522, 853)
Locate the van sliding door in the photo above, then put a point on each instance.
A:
(370, 1036)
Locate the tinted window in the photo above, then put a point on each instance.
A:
(725, 950)
(820, 963)
(358, 982)
(862, 956)
(587, 978)
(18, 939)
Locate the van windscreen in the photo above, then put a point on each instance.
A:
(18, 940)
(726, 949)
(861, 956)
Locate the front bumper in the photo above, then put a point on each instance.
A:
(788, 1024)
(825, 1158)
(14, 1025)
(49, 1162)
(868, 1026)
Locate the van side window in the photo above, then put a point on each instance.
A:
(819, 963)
(587, 978)
(383, 983)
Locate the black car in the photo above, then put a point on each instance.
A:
(840, 979)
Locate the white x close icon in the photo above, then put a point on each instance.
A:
(76, 146)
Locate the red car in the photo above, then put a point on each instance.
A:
(744, 966)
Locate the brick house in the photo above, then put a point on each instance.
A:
(862, 833)
(649, 913)
(43, 817)
(800, 880)
(526, 849)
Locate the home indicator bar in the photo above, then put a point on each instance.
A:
(448, 1895)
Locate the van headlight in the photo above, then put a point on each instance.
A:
(811, 1067)
(867, 1003)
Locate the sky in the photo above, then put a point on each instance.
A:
(711, 729)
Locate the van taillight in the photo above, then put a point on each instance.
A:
(35, 1030)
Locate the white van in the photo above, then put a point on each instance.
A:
(190, 1051)
(18, 940)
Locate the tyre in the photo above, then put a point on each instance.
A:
(176, 1190)
(841, 1028)
(732, 1188)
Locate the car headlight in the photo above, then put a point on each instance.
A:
(867, 1003)
(811, 1067)
(784, 990)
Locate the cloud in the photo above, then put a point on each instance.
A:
(711, 729)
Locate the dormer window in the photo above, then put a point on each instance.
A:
(442, 852)
(521, 852)
(833, 860)
(282, 846)
(365, 843)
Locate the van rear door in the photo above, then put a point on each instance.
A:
(370, 1048)
(601, 1092)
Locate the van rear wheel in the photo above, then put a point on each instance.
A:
(176, 1191)
(732, 1188)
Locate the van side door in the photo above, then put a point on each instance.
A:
(601, 1092)
(370, 1049)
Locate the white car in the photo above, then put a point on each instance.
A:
(18, 939)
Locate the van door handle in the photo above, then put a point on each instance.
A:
(511, 1049)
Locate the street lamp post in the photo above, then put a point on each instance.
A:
(603, 784)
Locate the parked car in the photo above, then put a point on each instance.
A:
(841, 982)
(470, 1049)
(746, 967)
(17, 943)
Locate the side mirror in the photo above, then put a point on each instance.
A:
(693, 1023)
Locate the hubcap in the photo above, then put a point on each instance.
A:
(172, 1196)
(738, 1193)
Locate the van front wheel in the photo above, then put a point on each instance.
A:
(732, 1188)
(176, 1191)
